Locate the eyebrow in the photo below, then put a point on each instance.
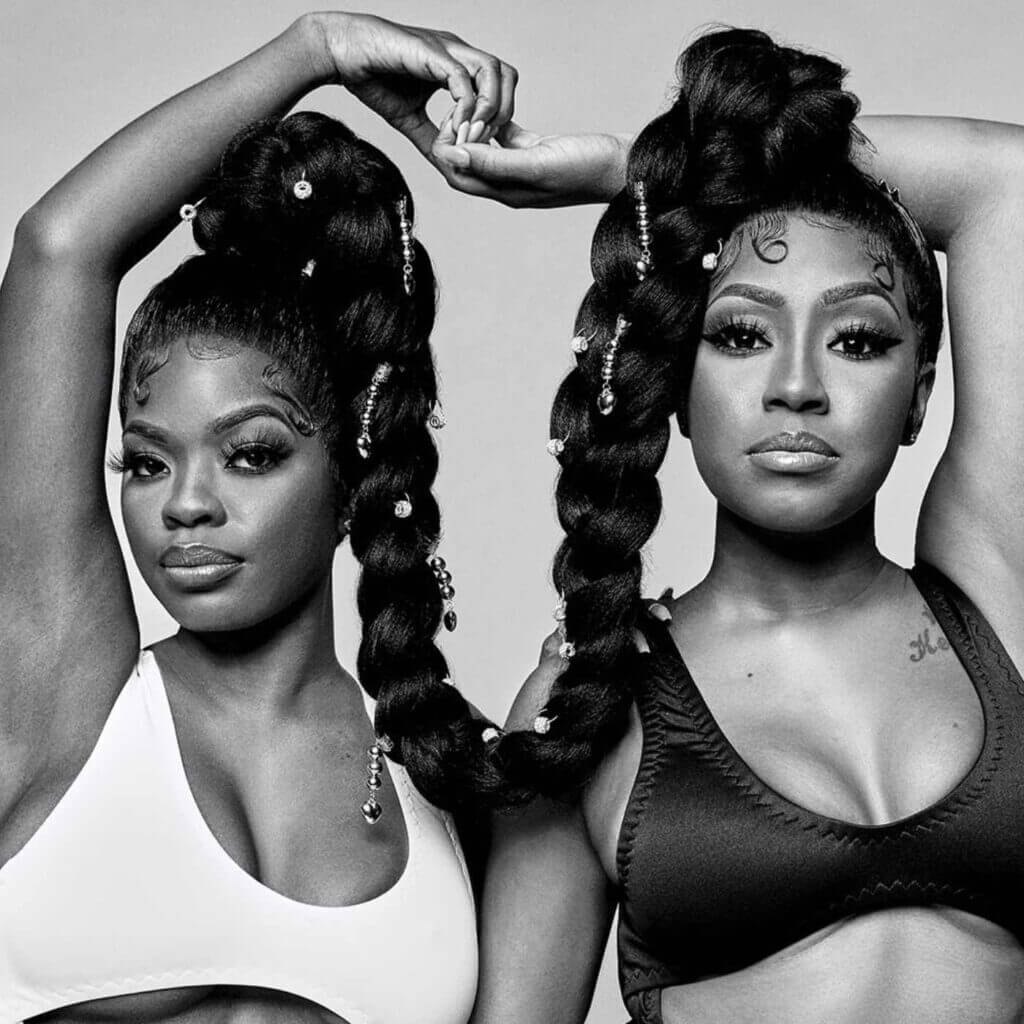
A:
(230, 420)
(221, 425)
(854, 290)
(830, 297)
(762, 296)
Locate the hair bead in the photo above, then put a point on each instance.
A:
(606, 398)
(709, 261)
(581, 342)
(490, 734)
(443, 577)
(542, 724)
(643, 226)
(380, 376)
(188, 211)
(555, 446)
(408, 252)
(403, 508)
(302, 189)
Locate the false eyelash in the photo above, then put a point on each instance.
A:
(116, 462)
(736, 323)
(882, 340)
(258, 440)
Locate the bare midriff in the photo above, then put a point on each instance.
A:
(928, 965)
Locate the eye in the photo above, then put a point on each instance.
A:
(253, 458)
(738, 338)
(258, 453)
(863, 341)
(137, 465)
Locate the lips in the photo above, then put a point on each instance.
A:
(794, 441)
(193, 556)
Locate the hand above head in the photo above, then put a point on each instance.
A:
(522, 169)
(395, 69)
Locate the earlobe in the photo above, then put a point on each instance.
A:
(919, 403)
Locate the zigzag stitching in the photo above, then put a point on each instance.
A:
(651, 757)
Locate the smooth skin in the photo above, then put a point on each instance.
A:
(273, 731)
(801, 635)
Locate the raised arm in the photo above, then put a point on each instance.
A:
(67, 628)
(964, 182)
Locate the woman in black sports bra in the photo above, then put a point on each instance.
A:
(819, 816)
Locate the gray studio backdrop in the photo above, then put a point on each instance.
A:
(73, 71)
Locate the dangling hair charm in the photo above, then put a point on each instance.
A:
(606, 398)
(408, 253)
(643, 226)
(444, 583)
(710, 259)
(188, 211)
(436, 419)
(380, 375)
(581, 343)
(302, 189)
(374, 768)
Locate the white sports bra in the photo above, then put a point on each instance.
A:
(124, 889)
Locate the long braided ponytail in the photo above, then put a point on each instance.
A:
(751, 123)
(309, 255)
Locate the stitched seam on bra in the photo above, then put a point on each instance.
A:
(651, 758)
(713, 747)
(927, 892)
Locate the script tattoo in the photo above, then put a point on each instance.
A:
(928, 642)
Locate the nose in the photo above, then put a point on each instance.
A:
(794, 381)
(192, 501)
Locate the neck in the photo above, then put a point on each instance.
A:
(267, 665)
(782, 575)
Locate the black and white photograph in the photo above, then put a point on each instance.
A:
(511, 513)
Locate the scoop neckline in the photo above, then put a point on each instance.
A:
(147, 656)
(980, 767)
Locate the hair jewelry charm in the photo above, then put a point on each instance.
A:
(490, 734)
(380, 375)
(302, 189)
(606, 398)
(542, 724)
(403, 507)
(643, 225)
(408, 253)
(439, 568)
(188, 211)
(555, 446)
(710, 259)
(436, 419)
(371, 808)
(581, 343)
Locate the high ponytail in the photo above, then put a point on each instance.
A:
(304, 258)
(755, 126)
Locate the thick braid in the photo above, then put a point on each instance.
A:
(312, 225)
(748, 117)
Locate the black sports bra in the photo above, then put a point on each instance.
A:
(718, 871)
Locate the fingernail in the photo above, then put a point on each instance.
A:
(476, 129)
(463, 133)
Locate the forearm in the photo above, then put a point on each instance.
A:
(952, 173)
(119, 202)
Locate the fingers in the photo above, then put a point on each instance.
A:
(491, 163)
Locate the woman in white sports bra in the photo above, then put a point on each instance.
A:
(227, 827)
